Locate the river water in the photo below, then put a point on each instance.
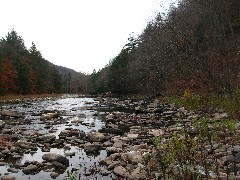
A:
(71, 110)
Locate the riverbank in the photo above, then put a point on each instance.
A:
(113, 138)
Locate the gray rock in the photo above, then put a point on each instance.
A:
(50, 157)
(96, 137)
(15, 114)
(133, 157)
(13, 170)
(54, 175)
(49, 116)
(121, 171)
(8, 177)
(91, 148)
(31, 169)
(111, 131)
(138, 174)
(2, 124)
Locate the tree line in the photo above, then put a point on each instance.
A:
(25, 71)
(194, 46)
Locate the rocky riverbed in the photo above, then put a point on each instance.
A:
(92, 138)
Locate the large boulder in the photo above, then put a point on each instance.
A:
(50, 157)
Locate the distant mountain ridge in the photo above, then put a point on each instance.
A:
(64, 70)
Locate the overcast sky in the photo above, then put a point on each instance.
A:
(79, 34)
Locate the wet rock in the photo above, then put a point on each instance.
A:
(6, 152)
(8, 177)
(7, 131)
(54, 175)
(6, 112)
(31, 169)
(70, 154)
(2, 124)
(111, 131)
(49, 116)
(96, 137)
(50, 157)
(58, 165)
(47, 137)
(91, 148)
(121, 171)
(13, 170)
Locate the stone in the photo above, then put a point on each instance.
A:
(8, 177)
(121, 171)
(31, 169)
(111, 131)
(96, 137)
(133, 157)
(138, 174)
(111, 150)
(13, 170)
(54, 175)
(50, 157)
(91, 148)
(2, 124)
(15, 114)
(49, 116)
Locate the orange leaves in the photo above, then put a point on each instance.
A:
(8, 76)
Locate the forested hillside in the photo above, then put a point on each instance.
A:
(25, 71)
(196, 46)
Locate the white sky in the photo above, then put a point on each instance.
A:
(79, 34)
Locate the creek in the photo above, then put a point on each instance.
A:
(76, 113)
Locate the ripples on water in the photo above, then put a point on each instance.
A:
(71, 109)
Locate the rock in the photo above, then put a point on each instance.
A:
(7, 131)
(50, 157)
(91, 148)
(111, 131)
(54, 175)
(13, 170)
(8, 177)
(121, 171)
(70, 154)
(156, 132)
(49, 116)
(138, 174)
(15, 114)
(96, 137)
(6, 152)
(31, 169)
(133, 157)
(133, 136)
(47, 137)
(118, 144)
(231, 158)
(114, 164)
(58, 165)
(112, 150)
(2, 124)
